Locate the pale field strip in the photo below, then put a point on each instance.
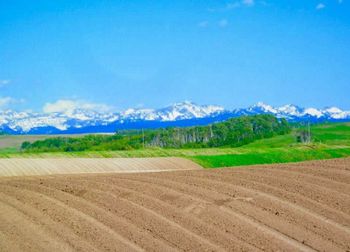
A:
(52, 166)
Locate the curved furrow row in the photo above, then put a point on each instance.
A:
(241, 196)
(287, 207)
(311, 179)
(240, 228)
(326, 168)
(337, 175)
(131, 233)
(199, 205)
(262, 228)
(339, 201)
(216, 200)
(62, 207)
(141, 216)
(330, 164)
(185, 218)
(56, 229)
(300, 199)
(19, 227)
(298, 202)
(201, 232)
(274, 209)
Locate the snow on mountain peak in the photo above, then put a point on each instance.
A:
(264, 107)
(333, 110)
(289, 109)
(177, 111)
(78, 118)
(186, 110)
(313, 112)
(337, 113)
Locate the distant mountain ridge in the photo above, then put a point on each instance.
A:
(178, 114)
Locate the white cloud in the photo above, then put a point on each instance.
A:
(233, 5)
(248, 2)
(241, 3)
(4, 82)
(203, 24)
(69, 106)
(236, 5)
(6, 101)
(320, 6)
(223, 23)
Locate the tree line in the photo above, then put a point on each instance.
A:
(231, 133)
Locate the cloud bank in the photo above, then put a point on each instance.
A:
(68, 107)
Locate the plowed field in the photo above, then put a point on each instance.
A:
(54, 166)
(291, 207)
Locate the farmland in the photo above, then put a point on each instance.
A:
(291, 207)
(12, 143)
(54, 166)
(330, 140)
(156, 199)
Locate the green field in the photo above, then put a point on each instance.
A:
(270, 157)
(12, 143)
(329, 141)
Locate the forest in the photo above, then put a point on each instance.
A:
(231, 133)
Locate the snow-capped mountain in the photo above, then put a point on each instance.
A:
(177, 111)
(295, 113)
(178, 114)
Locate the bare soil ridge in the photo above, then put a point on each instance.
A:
(289, 207)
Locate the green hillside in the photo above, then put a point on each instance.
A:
(330, 140)
(231, 133)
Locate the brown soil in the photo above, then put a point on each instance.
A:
(292, 207)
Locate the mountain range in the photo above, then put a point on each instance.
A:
(178, 114)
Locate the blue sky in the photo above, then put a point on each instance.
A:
(120, 54)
